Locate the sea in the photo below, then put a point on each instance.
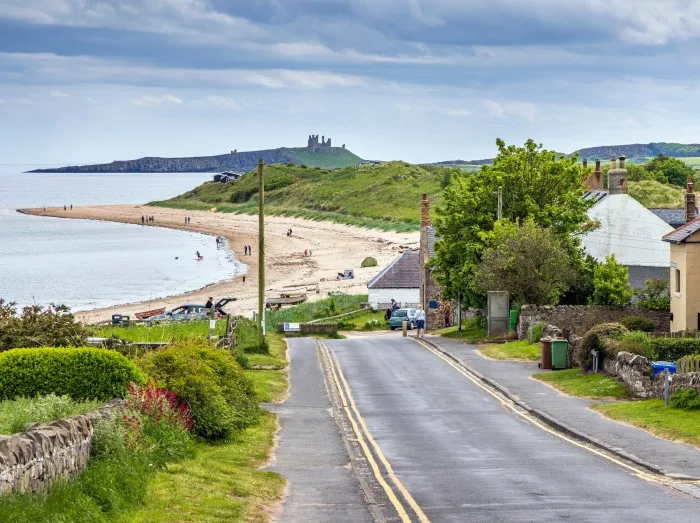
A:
(87, 264)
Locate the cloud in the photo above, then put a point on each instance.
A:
(156, 101)
(58, 94)
(433, 109)
(507, 110)
(223, 102)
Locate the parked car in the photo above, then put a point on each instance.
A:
(398, 317)
(190, 312)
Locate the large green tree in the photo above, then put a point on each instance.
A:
(528, 261)
(673, 170)
(611, 283)
(537, 184)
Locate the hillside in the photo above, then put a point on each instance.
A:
(328, 157)
(655, 195)
(385, 195)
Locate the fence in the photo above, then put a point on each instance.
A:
(679, 334)
(688, 364)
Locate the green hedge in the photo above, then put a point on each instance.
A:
(81, 373)
(671, 349)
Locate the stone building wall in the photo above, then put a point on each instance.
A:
(430, 291)
(579, 318)
(33, 460)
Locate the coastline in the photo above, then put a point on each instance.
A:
(334, 246)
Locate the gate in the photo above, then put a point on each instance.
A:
(497, 312)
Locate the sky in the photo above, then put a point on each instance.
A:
(87, 81)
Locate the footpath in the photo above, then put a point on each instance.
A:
(572, 415)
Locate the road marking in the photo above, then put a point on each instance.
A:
(346, 398)
(642, 474)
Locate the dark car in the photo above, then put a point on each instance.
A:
(190, 312)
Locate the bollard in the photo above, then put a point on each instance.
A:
(404, 328)
(666, 378)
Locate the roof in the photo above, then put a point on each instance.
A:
(402, 273)
(639, 274)
(682, 233)
(674, 217)
(596, 195)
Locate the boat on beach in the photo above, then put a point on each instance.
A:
(287, 298)
(147, 314)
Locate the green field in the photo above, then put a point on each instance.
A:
(334, 158)
(385, 196)
(653, 194)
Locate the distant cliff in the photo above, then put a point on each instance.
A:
(641, 150)
(328, 157)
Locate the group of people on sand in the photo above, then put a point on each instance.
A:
(220, 242)
(248, 250)
(289, 231)
(144, 219)
(65, 208)
(187, 219)
(307, 252)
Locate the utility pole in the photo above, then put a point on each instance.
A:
(500, 203)
(261, 255)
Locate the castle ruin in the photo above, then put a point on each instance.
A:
(314, 145)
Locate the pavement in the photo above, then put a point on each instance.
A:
(311, 454)
(572, 415)
(460, 452)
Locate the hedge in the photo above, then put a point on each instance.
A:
(672, 349)
(81, 373)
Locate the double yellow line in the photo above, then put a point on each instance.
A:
(365, 439)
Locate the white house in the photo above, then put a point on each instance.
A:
(400, 281)
(628, 230)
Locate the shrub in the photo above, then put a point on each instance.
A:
(37, 326)
(595, 339)
(635, 342)
(369, 262)
(654, 296)
(639, 323)
(81, 373)
(222, 400)
(671, 349)
(685, 399)
(537, 329)
(16, 415)
(611, 283)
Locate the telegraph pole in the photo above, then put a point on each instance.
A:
(500, 203)
(261, 255)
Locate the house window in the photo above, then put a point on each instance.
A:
(678, 280)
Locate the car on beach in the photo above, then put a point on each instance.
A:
(190, 312)
(401, 315)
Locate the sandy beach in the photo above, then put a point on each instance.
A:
(334, 247)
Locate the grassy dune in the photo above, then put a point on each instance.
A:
(656, 195)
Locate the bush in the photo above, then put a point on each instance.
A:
(611, 284)
(634, 342)
(222, 400)
(672, 349)
(639, 323)
(369, 262)
(537, 329)
(654, 296)
(16, 415)
(37, 326)
(685, 399)
(81, 373)
(596, 339)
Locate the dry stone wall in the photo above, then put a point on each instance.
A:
(33, 460)
(579, 318)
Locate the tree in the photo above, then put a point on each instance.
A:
(611, 283)
(654, 296)
(528, 261)
(537, 184)
(672, 170)
(52, 326)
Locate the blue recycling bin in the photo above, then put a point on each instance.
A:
(657, 367)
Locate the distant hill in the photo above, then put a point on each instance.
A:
(384, 195)
(328, 157)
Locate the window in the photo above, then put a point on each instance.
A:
(678, 280)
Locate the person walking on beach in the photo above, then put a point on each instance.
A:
(64, 207)
(143, 220)
(71, 206)
(244, 279)
(420, 322)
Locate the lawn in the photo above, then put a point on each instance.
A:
(521, 350)
(17, 414)
(365, 320)
(315, 310)
(676, 424)
(573, 382)
(473, 331)
(223, 483)
(161, 332)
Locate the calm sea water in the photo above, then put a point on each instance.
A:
(87, 264)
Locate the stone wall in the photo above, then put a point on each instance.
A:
(579, 318)
(33, 460)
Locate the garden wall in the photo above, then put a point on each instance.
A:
(579, 318)
(33, 460)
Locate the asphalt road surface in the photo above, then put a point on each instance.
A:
(463, 456)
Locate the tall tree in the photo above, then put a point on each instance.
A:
(611, 283)
(528, 261)
(538, 184)
(673, 170)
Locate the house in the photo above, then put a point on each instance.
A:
(685, 268)
(674, 217)
(400, 281)
(627, 229)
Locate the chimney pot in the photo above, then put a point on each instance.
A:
(597, 165)
(424, 211)
(613, 163)
(585, 164)
(690, 185)
(689, 202)
(622, 162)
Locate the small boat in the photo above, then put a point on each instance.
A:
(148, 314)
(286, 299)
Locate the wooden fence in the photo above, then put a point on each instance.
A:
(679, 334)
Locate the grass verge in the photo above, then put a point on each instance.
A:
(521, 350)
(17, 414)
(667, 422)
(363, 321)
(161, 332)
(472, 332)
(573, 382)
(223, 482)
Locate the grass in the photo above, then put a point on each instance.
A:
(222, 483)
(521, 350)
(315, 310)
(268, 372)
(161, 332)
(363, 321)
(574, 383)
(676, 424)
(339, 195)
(333, 158)
(16, 415)
(654, 194)
(473, 331)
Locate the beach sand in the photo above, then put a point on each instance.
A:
(334, 247)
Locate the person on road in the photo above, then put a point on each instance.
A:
(448, 315)
(394, 305)
(420, 322)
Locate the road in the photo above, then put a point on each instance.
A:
(461, 455)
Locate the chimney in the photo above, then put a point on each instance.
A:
(585, 164)
(689, 202)
(424, 211)
(595, 180)
(617, 177)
